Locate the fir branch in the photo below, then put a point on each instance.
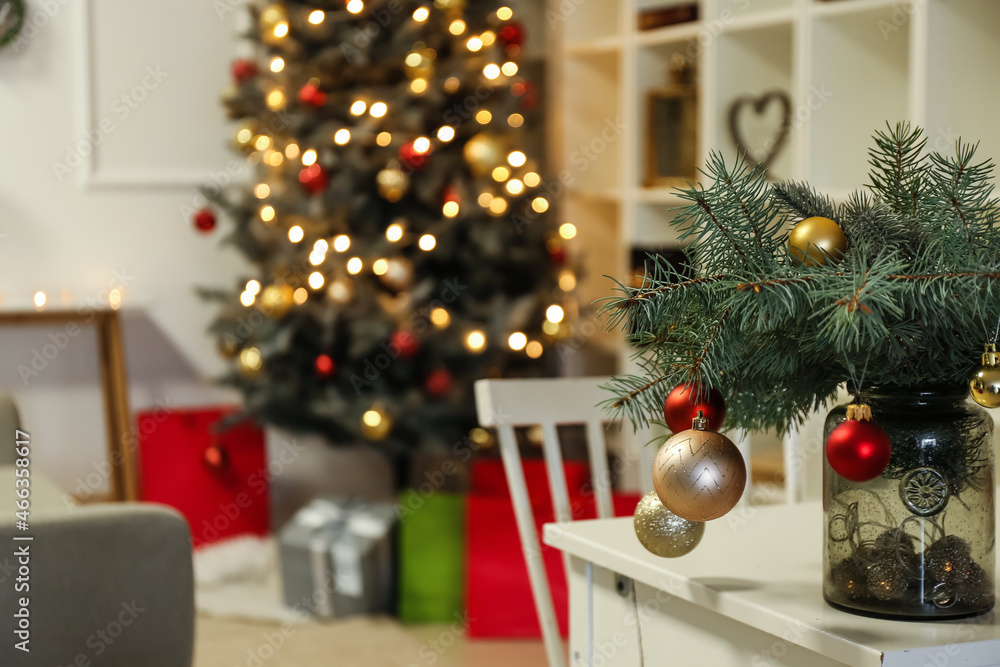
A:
(801, 200)
(639, 294)
(635, 393)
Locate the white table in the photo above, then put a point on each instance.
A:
(749, 595)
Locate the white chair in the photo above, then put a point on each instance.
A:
(506, 404)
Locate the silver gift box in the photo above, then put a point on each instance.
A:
(336, 558)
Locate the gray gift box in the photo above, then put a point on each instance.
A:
(336, 558)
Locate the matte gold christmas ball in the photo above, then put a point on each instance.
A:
(483, 152)
(273, 24)
(376, 424)
(276, 300)
(699, 475)
(814, 236)
(985, 384)
(392, 183)
(662, 532)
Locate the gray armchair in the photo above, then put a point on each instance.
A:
(112, 583)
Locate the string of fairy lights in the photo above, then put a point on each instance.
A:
(511, 172)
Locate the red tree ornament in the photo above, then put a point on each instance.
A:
(405, 343)
(438, 383)
(215, 457)
(858, 449)
(410, 156)
(324, 366)
(204, 220)
(312, 96)
(684, 402)
(244, 69)
(313, 178)
(450, 193)
(512, 34)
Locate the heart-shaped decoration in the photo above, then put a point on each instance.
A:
(773, 144)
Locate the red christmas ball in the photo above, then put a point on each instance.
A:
(325, 368)
(313, 178)
(438, 383)
(558, 257)
(858, 450)
(312, 96)
(450, 194)
(204, 220)
(513, 33)
(405, 344)
(410, 156)
(244, 69)
(684, 402)
(215, 457)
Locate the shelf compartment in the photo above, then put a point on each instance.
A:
(596, 21)
(859, 81)
(758, 63)
(596, 46)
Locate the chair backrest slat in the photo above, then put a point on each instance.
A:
(600, 475)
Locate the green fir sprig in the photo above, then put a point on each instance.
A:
(909, 300)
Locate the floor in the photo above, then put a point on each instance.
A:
(359, 642)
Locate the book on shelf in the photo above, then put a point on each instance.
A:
(660, 17)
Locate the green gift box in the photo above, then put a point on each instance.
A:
(431, 556)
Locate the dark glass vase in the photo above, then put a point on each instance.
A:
(916, 542)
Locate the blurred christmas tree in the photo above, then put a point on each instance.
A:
(395, 223)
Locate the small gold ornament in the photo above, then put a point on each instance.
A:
(419, 63)
(399, 275)
(376, 424)
(392, 183)
(662, 532)
(273, 24)
(985, 383)
(483, 152)
(814, 236)
(243, 139)
(229, 346)
(698, 474)
(250, 362)
(276, 300)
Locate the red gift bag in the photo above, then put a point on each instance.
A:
(217, 479)
(498, 593)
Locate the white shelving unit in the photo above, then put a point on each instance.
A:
(848, 65)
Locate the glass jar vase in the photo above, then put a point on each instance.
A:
(916, 542)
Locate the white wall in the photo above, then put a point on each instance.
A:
(76, 228)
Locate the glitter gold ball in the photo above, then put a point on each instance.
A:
(662, 532)
(699, 475)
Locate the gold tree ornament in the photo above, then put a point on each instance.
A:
(698, 474)
(376, 424)
(273, 24)
(392, 183)
(484, 152)
(985, 384)
(662, 532)
(276, 300)
(816, 241)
